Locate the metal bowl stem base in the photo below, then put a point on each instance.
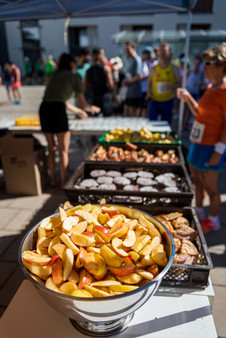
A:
(103, 329)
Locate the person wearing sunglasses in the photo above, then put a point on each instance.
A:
(208, 135)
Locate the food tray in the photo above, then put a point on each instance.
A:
(151, 148)
(183, 275)
(79, 195)
(176, 141)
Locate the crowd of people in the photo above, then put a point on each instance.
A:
(148, 86)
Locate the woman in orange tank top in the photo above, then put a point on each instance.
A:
(208, 136)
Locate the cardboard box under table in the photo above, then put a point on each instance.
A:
(24, 165)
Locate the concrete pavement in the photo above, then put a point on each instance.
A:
(19, 213)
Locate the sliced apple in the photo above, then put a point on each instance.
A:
(129, 260)
(82, 240)
(41, 232)
(95, 264)
(110, 211)
(145, 274)
(103, 218)
(93, 249)
(117, 247)
(110, 257)
(67, 205)
(130, 239)
(134, 255)
(120, 232)
(152, 230)
(57, 270)
(132, 278)
(43, 242)
(96, 292)
(34, 258)
(124, 270)
(87, 207)
(68, 287)
(153, 269)
(105, 283)
(123, 288)
(102, 232)
(51, 285)
(69, 223)
(71, 211)
(84, 279)
(80, 227)
(85, 215)
(147, 260)
(42, 271)
(60, 249)
(132, 223)
(114, 221)
(81, 293)
(63, 214)
(140, 243)
(46, 224)
(68, 263)
(149, 247)
(54, 240)
(80, 258)
(68, 242)
(73, 277)
(159, 255)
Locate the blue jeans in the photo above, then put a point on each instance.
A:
(164, 109)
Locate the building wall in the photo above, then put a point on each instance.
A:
(52, 31)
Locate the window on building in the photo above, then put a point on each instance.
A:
(136, 27)
(82, 37)
(203, 6)
(195, 26)
(30, 31)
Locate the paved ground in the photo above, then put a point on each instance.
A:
(19, 213)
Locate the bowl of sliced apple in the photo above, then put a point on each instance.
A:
(97, 264)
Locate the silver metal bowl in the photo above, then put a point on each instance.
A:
(106, 315)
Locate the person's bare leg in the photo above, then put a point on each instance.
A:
(199, 188)
(210, 183)
(51, 157)
(14, 94)
(63, 147)
(8, 94)
(19, 93)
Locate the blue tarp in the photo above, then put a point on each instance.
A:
(53, 9)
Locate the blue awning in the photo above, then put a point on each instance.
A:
(55, 9)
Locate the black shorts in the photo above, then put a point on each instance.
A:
(53, 117)
(133, 102)
(143, 102)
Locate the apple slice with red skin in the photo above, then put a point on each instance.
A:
(103, 218)
(129, 260)
(122, 231)
(35, 258)
(80, 227)
(124, 270)
(84, 279)
(81, 258)
(117, 247)
(102, 232)
(85, 215)
(82, 240)
(60, 249)
(110, 211)
(95, 264)
(57, 270)
(153, 269)
(110, 257)
(51, 285)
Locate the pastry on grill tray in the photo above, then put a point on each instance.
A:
(104, 180)
(184, 236)
(113, 173)
(97, 173)
(88, 183)
(131, 154)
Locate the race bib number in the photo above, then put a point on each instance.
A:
(197, 132)
(161, 88)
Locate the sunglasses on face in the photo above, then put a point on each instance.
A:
(208, 63)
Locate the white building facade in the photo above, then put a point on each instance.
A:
(93, 32)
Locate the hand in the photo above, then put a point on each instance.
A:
(95, 110)
(214, 158)
(182, 93)
(83, 114)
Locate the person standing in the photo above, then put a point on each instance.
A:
(164, 78)
(208, 135)
(146, 64)
(83, 62)
(6, 79)
(15, 81)
(133, 80)
(50, 66)
(99, 81)
(28, 70)
(53, 116)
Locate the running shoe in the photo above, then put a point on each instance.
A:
(208, 225)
